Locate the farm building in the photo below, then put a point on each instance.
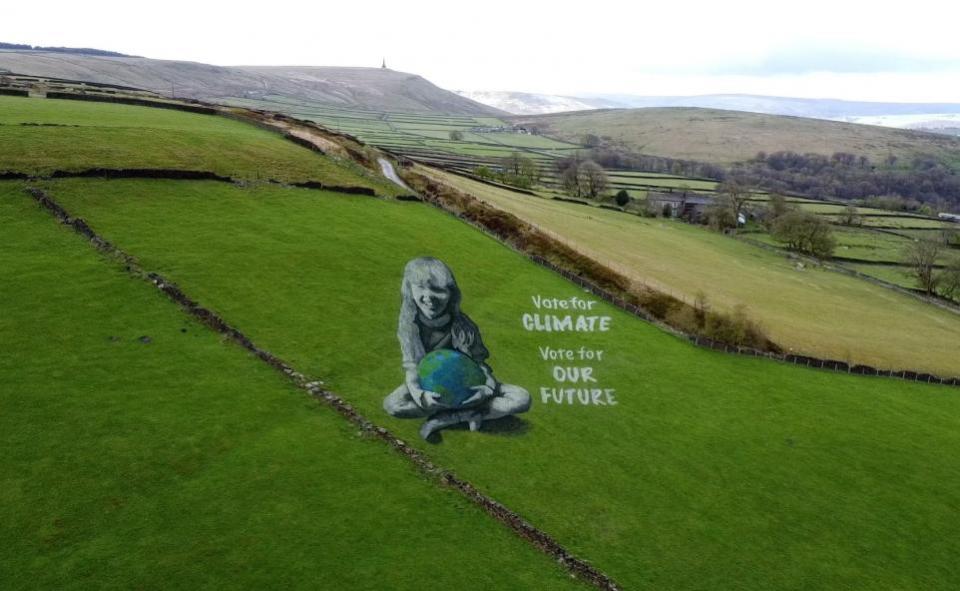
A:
(688, 206)
(950, 217)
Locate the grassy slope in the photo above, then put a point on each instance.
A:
(714, 135)
(123, 136)
(811, 311)
(185, 462)
(714, 471)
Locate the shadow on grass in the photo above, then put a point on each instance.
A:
(509, 426)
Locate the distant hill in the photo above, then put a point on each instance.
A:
(365, 88)
(525, 103)
(724, 137)
(73, 50)
(777, 105)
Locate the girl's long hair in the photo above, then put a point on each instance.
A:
(435, 272)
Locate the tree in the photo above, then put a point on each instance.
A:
(776, 207)
(950, 280)
(483, 172)
(519, 170)
(622, 197)
(570, 180)
(529, 170)
(513, 163)
(805, 232)
(735, 194)
(590, 140)
(922, 257)
(721, 214)
(456, 135)
(950, 236)
(592, 179)
(850, 217)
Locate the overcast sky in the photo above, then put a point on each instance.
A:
(814, 48)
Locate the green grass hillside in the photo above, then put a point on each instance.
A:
(810, 311)
(138, 450)
(712, 471)
(713, 135)
(38, 136)
(182, 461)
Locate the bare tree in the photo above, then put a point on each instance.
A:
(570, 180)
(922, 257)
(513, 163)
(736, 194)
(850, 217)
(776, 207)
(592, 179)
(721, 214)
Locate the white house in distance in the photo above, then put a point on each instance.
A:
(950, 217)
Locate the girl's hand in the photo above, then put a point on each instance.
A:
(480, 393)
(431, 401)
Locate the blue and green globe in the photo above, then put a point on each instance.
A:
(450, 374)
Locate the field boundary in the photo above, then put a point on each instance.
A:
(181, 175)
(138, 102)
(513, 521)
(581, 280)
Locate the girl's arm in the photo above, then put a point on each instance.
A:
(413, 383)
(488, 390)
(425, 399)
(492, 382)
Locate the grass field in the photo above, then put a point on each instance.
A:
(862, 243)
(185, 463)
(811, 311)
(895, 274)
(713, 471)
(122, 136)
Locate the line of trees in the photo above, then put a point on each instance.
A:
(615, 158)
(515, 170)
(922, 184)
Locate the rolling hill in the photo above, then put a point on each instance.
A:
(725, 137)
(140, 445)
(367, 88)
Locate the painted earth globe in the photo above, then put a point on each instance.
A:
(451, 374)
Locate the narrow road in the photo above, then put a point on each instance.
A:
(391, 174)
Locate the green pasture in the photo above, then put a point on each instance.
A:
(522, 140)
(904, 222)
(402, 130)
(712, 471)
(898, 275)
(102, 135)
(857, 243)
(625, 180)
(927, 233)
(809, 311)
(139, 450)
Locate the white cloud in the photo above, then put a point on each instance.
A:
(600, 46)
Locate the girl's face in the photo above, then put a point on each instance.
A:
(431, 299)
